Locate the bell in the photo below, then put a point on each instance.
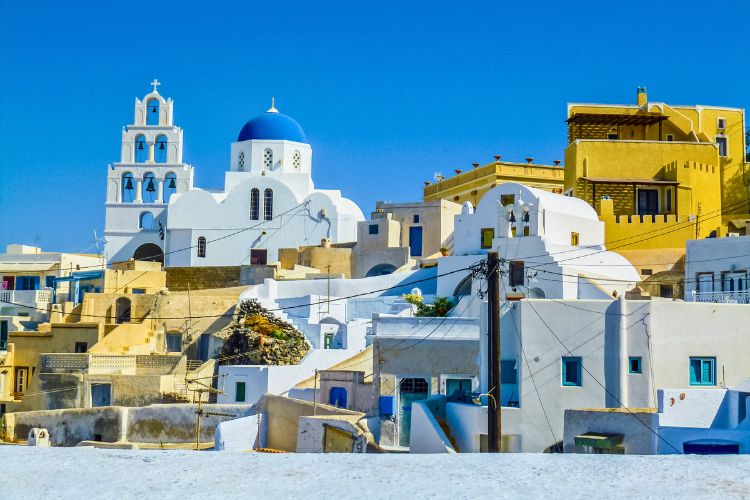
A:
(526, 216)
(153, 109)
(150, 187)
(140, 145)
(161, 146)
(129, 184)
(512, 217)
(172, 185)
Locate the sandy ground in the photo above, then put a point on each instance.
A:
(97, 473)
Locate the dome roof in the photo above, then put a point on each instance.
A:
(272, 126)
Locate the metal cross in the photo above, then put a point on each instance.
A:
(155, 83)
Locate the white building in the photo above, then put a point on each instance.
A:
(268, 201)
(716, 270)
(554, 246)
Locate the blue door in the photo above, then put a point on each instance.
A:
(415, 241)
(203, 347)
(101, 394)
(337, 397)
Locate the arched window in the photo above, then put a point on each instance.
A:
(254, 204)
(122, 310)
(160, 149)
(241, 160)
(296, 159)
(152, 112)
(128, 188)
(146, 220)
(141, 149)
(267, 158)
(268, 204)
(201, 247)
(170, 186)
(149, 188)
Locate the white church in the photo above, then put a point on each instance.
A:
(154, 212)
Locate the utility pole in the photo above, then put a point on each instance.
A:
(494, 409)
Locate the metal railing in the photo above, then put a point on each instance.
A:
(734, 297)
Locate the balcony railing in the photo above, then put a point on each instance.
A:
(111, 364)
(736, 297)
(26, 297)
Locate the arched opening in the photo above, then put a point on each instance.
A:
(254, 204)
(201, 247)
(146, 221)
(170, 186)
(149, 252)
(160, 149)
(464, 287)
(128, 188)
(267, 159)
(268, 204)
(152, 112)
(149, 188)
(122, 310)
(381, 270)
(297, 159)
(141, 149)
(536, 293)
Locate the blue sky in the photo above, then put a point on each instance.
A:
(388, 92)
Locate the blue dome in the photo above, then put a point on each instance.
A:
(272, 126)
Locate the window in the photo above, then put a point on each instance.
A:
(516, 273)
(670, 137)
(141, 149)
(648, 202)
(665, 291)
(138, 291)
(668, 200)
(170, 186)
(258, 257)
(49, 282)
(328, 341)
(702, 371)
(268, 204)
(296, 159)
(27, 282)
(239, 392)
(4, 335)
(571, 371)
(372, 229)
(128, 188)
(152, 112)
(201, 247)
(721, 123)
(488, 234)
(174, 342)
(722, 143)
(734, 281)
(415, 219)
(22, 379)
(507, 199)
(267, 158)
(705, 282)
(612, 135)
(647, 272)
(508, 371)
(634, 364)
(149, 188)
(146, 221)
(574, 239)
(254, 204)
(337, 397)
(81, 347)
(241, 160)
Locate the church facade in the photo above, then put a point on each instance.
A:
(269, 201)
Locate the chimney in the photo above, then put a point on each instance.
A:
(642, 96)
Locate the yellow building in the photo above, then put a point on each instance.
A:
(472, 184)
(658, 174)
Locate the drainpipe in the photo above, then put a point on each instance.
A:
(623, 352)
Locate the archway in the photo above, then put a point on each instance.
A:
(381, 270)
(464, 287)
(122, 310)
(149, 252)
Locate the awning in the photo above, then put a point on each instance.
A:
(614, 119)
(26, 267)
(600, 440)
(611, 180)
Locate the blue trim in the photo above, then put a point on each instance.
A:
(639, 366)
(572, 371)
(702, 371)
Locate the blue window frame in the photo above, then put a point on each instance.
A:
(27, 282)
(702, 371)
(571, 371)
(634, 364)
(373, 229)
(49, 282)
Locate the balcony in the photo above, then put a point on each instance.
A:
(736, 297)
(108, 364)
(31, 298)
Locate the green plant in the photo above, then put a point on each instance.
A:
(439, 308)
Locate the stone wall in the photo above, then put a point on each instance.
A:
(201, 278)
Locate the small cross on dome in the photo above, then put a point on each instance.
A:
(155, 83)
(272, 109)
